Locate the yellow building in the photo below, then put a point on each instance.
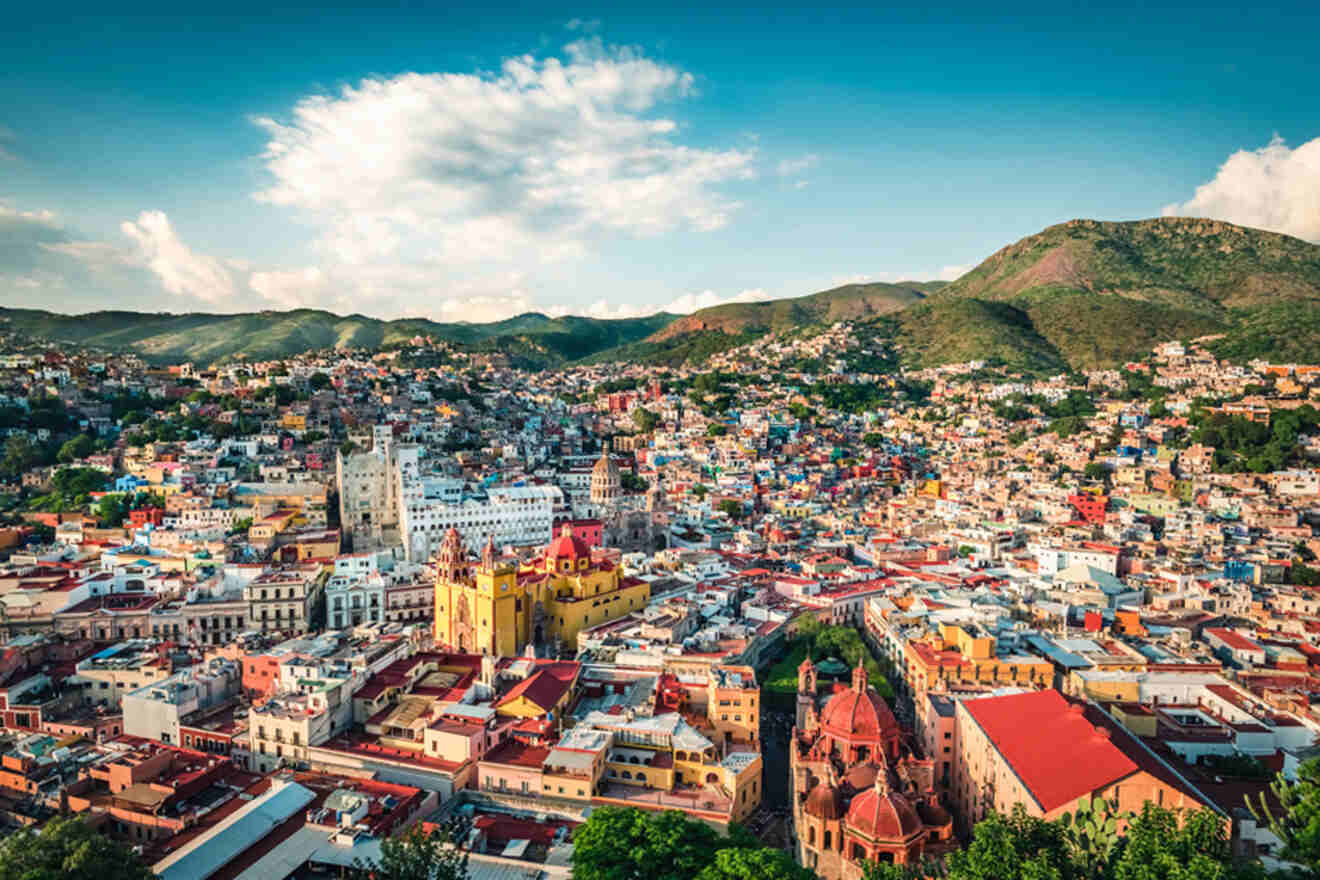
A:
(497, 608)
(963, 656)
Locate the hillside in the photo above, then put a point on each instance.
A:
(1100, 293)
(850, 302)
(207, 338)
(1080, 294)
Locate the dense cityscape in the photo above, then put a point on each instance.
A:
(794, 610)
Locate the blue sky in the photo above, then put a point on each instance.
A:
(471, 162)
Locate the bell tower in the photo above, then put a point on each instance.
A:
(806, 692)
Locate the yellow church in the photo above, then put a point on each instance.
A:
(497, 608)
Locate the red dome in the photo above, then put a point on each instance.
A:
(823, 802)
(883, 815)
(859, 715)
(567, 546)
(862, 776)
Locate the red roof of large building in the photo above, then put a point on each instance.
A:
(1057, 753)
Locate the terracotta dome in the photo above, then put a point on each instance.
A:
(881, 814)
(862, 776)
(567, 545)
(859, 715)
(823, 802)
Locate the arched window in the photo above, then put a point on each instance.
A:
(712, 778)
(641, 777)
(811, 836)
(827, 838)
(627, 774)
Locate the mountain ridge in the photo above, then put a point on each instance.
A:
(1083, 293)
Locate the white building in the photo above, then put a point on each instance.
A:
(357, 592)
(429, 506)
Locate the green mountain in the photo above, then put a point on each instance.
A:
(1080, 294)
(206, 338)
(850, 302)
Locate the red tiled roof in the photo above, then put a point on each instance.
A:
(545, 687)
(1057, 753)
(1234, 640)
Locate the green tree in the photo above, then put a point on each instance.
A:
(1011, 847)
(79, 446)
(630, 482)
(1096, 471)
(731, 508)
(1298, 824)
(1158, 846)
(618, 843)
(761, 863)
(416, 855)
(873, 439)
(700, 491)
(715, 429)
(68, 849)
(319, 381)
(110, 510)
(21, 454)
(644, 419)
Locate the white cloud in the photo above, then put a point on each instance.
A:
(180, 269)
(950, 273)
(532, 163)
(682, 305)
(293, 289)
(794, 167)
(691, 302)
(43, 217)
(1275, 188)
(586, 25)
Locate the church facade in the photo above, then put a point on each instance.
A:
(496, 607)
(627, 522)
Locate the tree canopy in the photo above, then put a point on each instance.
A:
(68, 849)
(416, 855)
(619, 843)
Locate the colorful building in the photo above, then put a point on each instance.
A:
(498, 608)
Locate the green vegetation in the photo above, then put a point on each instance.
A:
(415, 855)
(618, 843)
(644, 419)
(1243, 445)
(1298, 823)
(1158, 844)
(821, 641)
(71, 490)
(68, 849)
(206, 338)
(1076, 295)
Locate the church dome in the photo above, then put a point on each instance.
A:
(567, 546)
(823, 802)
(606, 482)
(859, 714)
(862, 776)
(881, 814)
(605, 467)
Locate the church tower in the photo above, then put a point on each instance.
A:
(806, 693)
(606, 483)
